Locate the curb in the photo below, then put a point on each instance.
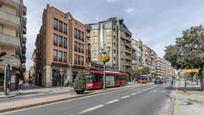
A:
(58, 100)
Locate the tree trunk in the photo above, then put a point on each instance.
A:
(201, 79)
(201, 84)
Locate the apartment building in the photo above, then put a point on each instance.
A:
(163, 68)
(136, 53)
(61, 48)
(114, 35)
(13, 39)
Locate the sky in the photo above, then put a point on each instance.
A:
(156, 22)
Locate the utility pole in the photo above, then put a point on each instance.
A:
(104, 57)
(104, 75)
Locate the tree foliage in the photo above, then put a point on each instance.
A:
(79, 83)
(188, 52)
(142, 70)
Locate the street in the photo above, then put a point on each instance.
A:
(145, 100)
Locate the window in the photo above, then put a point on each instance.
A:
(82, 48)
(82, 36)
(82, 60)
(60, 26)
(1, 28)
(60, 56)
(65, 28)
(75, 32)
(78, 47)
(78, 60)
(55, 55)
(65, 56)
(78, 34)
(55, 24)
(55, 40)
(75, 46)
(60, 40)
(75, 59)
(65, 42)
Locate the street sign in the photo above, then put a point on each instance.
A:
(188, 70)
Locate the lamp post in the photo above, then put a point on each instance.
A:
(104, 58)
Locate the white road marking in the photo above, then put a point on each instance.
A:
(91, 109)
(124, 97)
(113, 101)
(133, 94)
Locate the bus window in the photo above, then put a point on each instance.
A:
(98, 78)
(88, 77)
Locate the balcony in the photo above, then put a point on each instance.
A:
(24, 29)
(14, 61)
(24, 49)
(24, 39)
(9, 19)
(9, 40)
(24, 10)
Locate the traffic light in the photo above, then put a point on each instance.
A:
(1, 55)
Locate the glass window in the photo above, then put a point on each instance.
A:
(65, 28)
(75, 46)
(65, 42)
(55, 55)
(82, 36)
(55, 40)
(82, 60)
(60, 26)
(88, 77)
(78, 60)
(75, 32)
(78, 34)
(60, 40)
(82, 48)
(60, 56)
(78, 47)
(55, 24)
(75, 59)
(65, 56)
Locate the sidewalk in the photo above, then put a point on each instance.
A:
(19, 104)
(189, 102)
(36, 92)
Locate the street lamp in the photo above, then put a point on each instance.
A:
(104, 57)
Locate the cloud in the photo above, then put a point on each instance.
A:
(130, 11)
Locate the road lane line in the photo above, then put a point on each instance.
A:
(113, 101)
(133, 94)
(124, 97)
(91, 109)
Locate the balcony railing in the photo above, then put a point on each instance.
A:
(24, 10)
(9, 19)
(9, 40)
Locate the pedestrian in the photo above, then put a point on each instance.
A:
(20, 84)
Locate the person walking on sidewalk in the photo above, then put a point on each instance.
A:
(20, 84)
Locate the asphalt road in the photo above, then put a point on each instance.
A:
(145, 100)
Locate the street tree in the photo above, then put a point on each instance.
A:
(141, 70)
(188, 51)
(79, 83)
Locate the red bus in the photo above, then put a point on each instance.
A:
(94, 79)
(144, 79)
